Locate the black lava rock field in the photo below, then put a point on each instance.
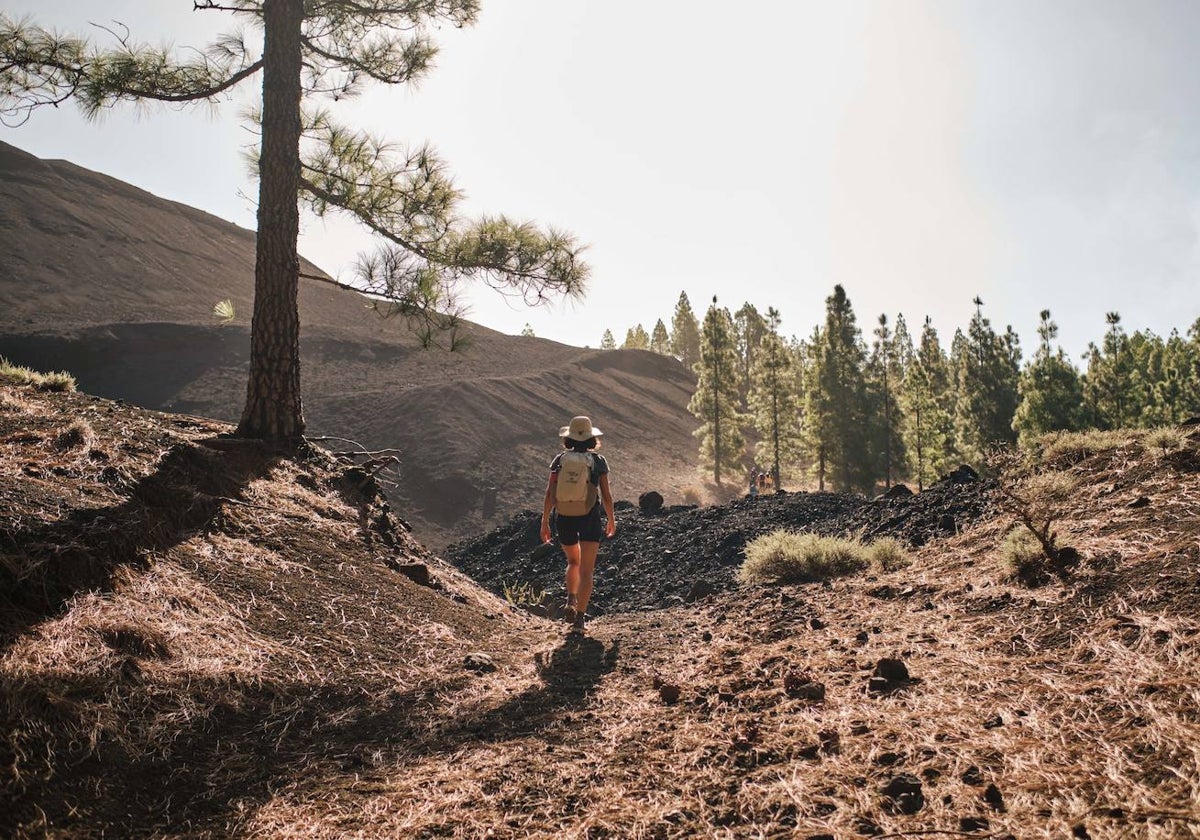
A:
(680, 552)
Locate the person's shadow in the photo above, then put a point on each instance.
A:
(569, 675)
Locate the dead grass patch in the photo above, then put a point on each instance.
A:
(787, 557)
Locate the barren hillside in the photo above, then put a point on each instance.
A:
(208, 639)
(117, 286)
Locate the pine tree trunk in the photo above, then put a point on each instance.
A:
(273, 409)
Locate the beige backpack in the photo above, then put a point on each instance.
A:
(574, 493)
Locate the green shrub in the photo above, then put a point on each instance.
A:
(788, 557)
(1023, 554)
(888, 554)
(55, 381)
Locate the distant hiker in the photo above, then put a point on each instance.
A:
(753, 482)
(577, 486)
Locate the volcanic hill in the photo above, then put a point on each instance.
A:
(117, 286)
(200, 637)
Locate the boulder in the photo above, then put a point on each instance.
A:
(650, 502)
(963, 475)
(700, 589)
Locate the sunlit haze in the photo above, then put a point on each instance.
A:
(1039, 155)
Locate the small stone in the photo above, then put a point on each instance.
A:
(878, 685)
(862, 637)
(887, 759)
(418, 573)
(706, 636)
(972, 776)
(1081, 832)
(669, 692)
(973, 824)
(480, 663)
(892, 670)
(993, 797)
(817, 624)
(801, 686)
(994, 722)
(903, 794)
(1140, 502)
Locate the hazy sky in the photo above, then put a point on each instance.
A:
(1040, 154)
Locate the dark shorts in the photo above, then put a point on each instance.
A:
(586, 528)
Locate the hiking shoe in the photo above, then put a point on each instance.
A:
(568, 614)
(577, 624)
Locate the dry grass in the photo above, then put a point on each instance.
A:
(52, 381)
(1074, 446)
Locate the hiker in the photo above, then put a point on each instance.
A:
(577, 486)
(754, 482)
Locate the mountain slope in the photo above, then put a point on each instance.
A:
(117, 286)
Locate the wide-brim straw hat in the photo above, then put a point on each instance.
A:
(580, 428)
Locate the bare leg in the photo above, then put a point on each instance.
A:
(586, 571)
(572, 582)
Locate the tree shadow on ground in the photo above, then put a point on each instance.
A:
(42, 567)
(214, 770)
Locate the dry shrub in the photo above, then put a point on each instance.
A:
(11, 402)
(692, 495)
(523, 592)
(1075, 446)
(788, 557)
(888, 554)
(1166, 438)
(78, 434)
(53, 381)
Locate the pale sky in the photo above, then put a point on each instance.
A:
(1038, 153)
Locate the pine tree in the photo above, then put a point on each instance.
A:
(987, 368)
(749, 328)
(1175, 396)
(527, 331)
(636, 339)
(1050, 388)
(311, 51)
(1106, 383)
(607, 342)
(715, 402)
(685, 333)
(928, 409)
(660, 342)
(883, 383)
(775, 401)
(817, 421)
(837, 405)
